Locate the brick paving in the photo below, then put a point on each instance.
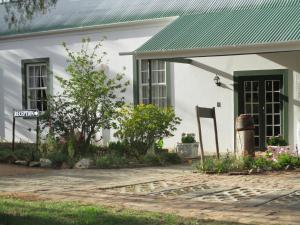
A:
(259, 199)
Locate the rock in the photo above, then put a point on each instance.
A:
(45, 163)
(84, 164)
(258, 170)
(288, 167)
(21, 163)
(34, 164)
(251, 171)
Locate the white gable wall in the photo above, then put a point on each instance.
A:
(122, 39)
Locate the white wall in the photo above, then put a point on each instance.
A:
(195, 86)
(122, 39)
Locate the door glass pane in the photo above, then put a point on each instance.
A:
(273, 108)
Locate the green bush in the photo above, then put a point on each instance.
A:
(152, 159)
(263, 163)
(188, 138)
(26, 154)
(170, 158)
(118, 148)
(58, 158)
(141, 126)
(277, 141)
(111, 161)
(284, 160)
(6, 154)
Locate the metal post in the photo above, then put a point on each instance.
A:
(37, 135)
(216, 132)
(150, 81)
(13, 134)
(200, 136)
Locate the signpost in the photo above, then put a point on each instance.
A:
(26, 114)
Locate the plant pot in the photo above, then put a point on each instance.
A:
(188, 150)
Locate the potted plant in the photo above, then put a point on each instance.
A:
(188, 148)
(277, 145)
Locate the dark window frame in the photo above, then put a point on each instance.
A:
(25, 63)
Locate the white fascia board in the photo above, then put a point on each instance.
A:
(223, 51)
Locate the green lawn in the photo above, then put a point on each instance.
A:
(20, 212)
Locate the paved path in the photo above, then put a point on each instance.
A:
(261, 199)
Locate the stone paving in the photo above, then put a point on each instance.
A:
(259, 199)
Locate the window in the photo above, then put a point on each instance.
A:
(158, 83)
(35, 84)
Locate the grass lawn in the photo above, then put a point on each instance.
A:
(21, 212)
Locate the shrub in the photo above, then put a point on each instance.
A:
(141, 126)
(6, 154)
(263, 163)
(118, 148)
(152, 159)
(277, 141)
(111, 161)
(170, 158)
(188, 138)
(284, 160)
(58, 158)
(26, 154)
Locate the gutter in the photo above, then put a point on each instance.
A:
(88, 28)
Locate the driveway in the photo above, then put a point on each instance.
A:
(260, 199)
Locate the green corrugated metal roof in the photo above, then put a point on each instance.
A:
(228, 28)
(76, 13)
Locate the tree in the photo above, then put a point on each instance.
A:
(19, 12)
(90, 100)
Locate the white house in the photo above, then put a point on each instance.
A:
(253, 46)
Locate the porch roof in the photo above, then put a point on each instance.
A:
(256, 30)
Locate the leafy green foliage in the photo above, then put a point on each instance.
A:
(188, 138)
(111, 161)
(141, 126)
(152, 159)
(170, 158)
(90, 99)
(277, 141)
(232, 164)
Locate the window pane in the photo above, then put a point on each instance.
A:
(161, 77)
(248, 86)
(276, 85)
(144, 65)
(161, 65)
(154, 77)
(269, 120)
(255, 98)
(248, 97)
(277, 130)
(277, 119)
(269, 131)
(269, 85)
(269, 97)
(276, 108)
(269, 108)
(154, 64)
(255, 86)
(145, 78)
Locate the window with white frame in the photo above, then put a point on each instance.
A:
(158, 83)
(36, 78)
